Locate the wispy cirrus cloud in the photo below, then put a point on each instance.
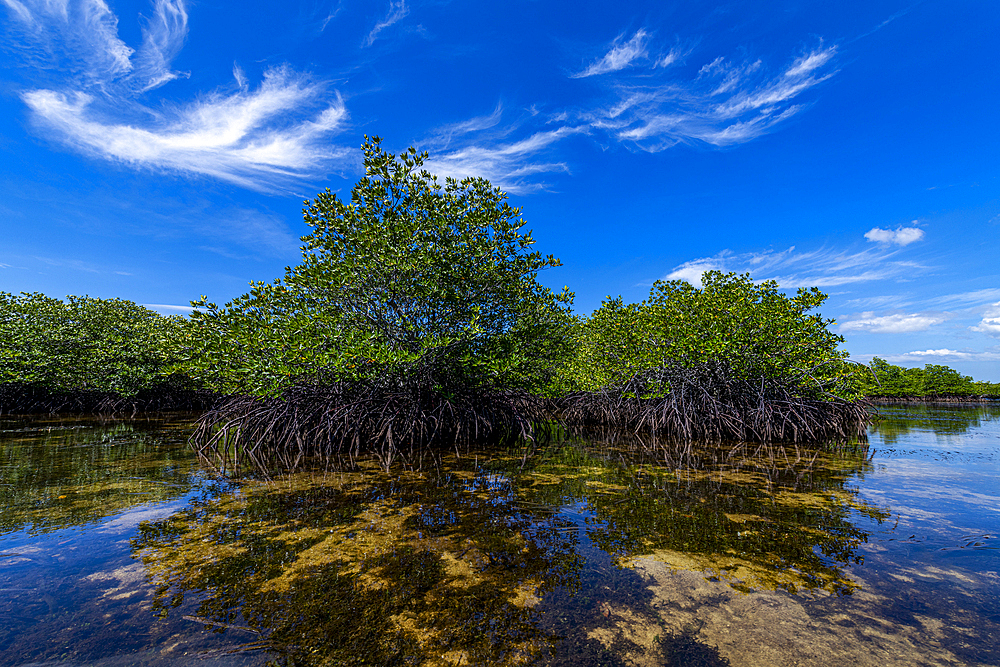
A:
(81, 36)
(824, 267)
(965, 299)
(330, 16)
(264, 138)
(242, 137)
(508, 164)
(163, 38)
(443, 136)
(620, 56)
(726, 103)
(397, 12)
(167, 309)
(869, 322)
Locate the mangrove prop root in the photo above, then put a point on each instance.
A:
(344, 420)
(401, 417)
(24, 399)
(707, 403)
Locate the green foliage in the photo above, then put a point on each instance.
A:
(892, 381)
(752, 328)
(406, 269)
(986, 389)
(258, 342)
(82, 344)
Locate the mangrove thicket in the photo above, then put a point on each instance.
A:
(415, 318)
(89, 355)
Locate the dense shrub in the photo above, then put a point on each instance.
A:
(408, 267)
(86, 354)
(888, 381)
(414, 318)
(752, 329)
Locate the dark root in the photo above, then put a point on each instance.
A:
(707, 402)
(171, 395)
(398, 414)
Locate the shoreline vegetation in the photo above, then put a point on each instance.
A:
(416, 320)
(934, 398)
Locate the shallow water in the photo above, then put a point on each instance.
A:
(118, 548)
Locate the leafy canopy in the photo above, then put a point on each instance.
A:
(407, 268)
(83, 343)
(753, 328)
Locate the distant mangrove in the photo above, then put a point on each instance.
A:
(88, 355)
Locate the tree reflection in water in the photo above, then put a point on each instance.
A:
(486, 563)
(758, 516)
(942, 419)
(59, 473)
(365, 567)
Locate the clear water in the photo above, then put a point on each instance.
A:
(117, 547)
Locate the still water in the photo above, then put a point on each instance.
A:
(117, 547)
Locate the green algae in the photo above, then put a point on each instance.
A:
(457, 563)
(366, 567)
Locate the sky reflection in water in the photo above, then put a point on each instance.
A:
(116, 548)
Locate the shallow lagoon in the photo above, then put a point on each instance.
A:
(118, 548)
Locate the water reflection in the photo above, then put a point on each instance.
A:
(775, 517)
(898, 421)
(365, 567)
(494, 563)
(56, 473)
(589, 551)
(71, 490)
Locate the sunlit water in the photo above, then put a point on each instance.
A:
(118, 548)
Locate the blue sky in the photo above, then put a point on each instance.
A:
(160, 150)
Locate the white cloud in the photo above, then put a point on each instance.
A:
(166, 309)
(975, 297)
(901, 236)
(505, 164)
(81, 37)
(397, 12)
(879, 301)
(163, 36)
(725, 104)
(868, 322)
(22, 12)
(808, 63)
(990, 324)
(264, 139)
(243, 137)
(668, 59)
(824, 267)
(329, 17)
(621, 55)
(943, 352)
(444, 135)
(691, 272)
(942, 355)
